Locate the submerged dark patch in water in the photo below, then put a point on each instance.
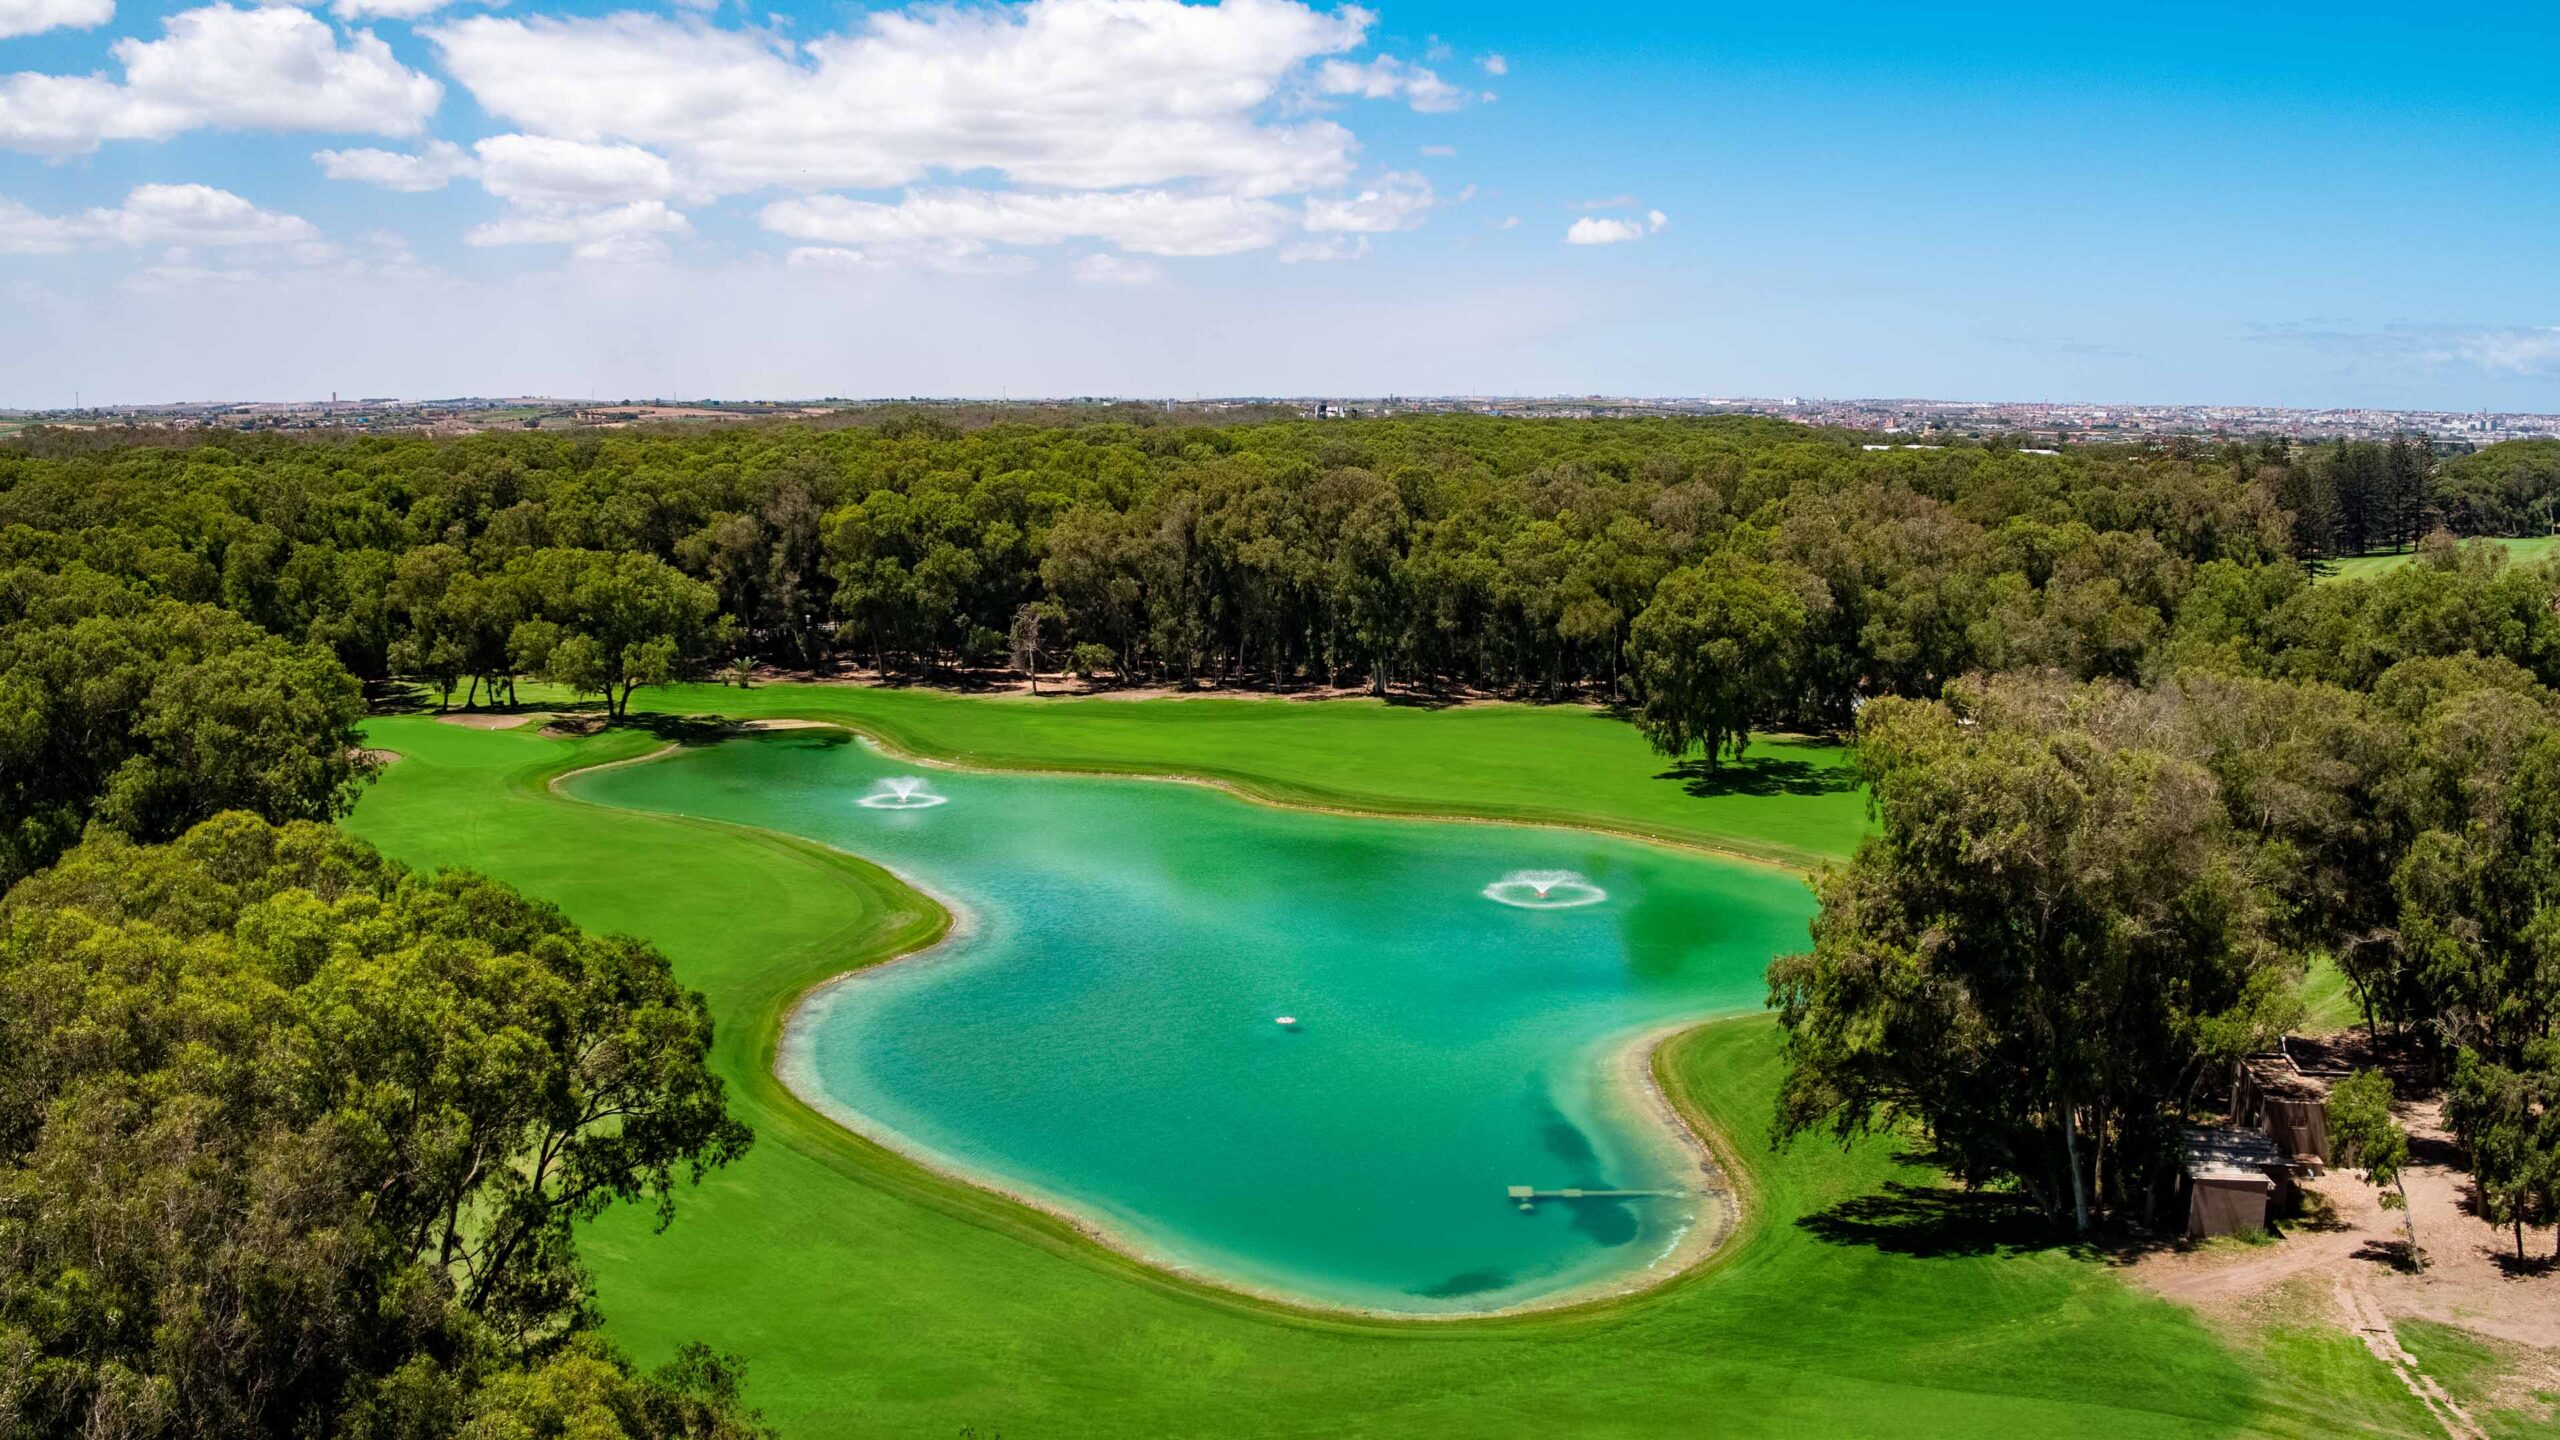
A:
(1564, 1140)
(1603, 1222)
(1465, 1282)
(1606, 1222)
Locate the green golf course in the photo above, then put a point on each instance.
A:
(2521, 550)
(872, 1297)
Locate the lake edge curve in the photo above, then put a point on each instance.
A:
(1632, 1067)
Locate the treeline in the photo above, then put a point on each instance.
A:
(1515, 557)
(1535, 559)
(2360, 496)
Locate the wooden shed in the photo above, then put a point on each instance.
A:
(2288, 1102)
(2234, 1179)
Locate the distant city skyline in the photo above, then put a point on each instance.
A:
(1894, 421)
(2343, 205)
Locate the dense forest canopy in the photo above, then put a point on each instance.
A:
(1516, 557)
(1453, 551)
(1458, 551)
(2135, 766)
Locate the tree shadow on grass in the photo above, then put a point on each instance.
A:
(1932, 1222)
(1417, 699)
(693, 730)
(396, 697)
(1763, 776)
(590, 717)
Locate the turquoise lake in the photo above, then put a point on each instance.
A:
(1099, 1034)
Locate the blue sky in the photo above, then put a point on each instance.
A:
(2307, 205)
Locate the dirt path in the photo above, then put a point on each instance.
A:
(2347, 1248)
(2372, 1324)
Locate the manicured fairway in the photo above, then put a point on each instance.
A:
(871, 1299)
(2520, 550)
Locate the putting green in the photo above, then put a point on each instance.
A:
(872, 1298)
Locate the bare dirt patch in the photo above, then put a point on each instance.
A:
(495, 719)
(2347, 1251)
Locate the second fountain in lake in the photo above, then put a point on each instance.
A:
(1544, 890)
(901, 792)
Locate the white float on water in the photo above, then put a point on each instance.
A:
(1286, 1021)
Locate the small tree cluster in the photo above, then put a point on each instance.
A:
(600, 624)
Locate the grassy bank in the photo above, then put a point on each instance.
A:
(873, 1299)
(1792, 801)
(2520, 549)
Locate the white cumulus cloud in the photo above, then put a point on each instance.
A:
(225, 68)
(1331, 247)
(1147, 222)
(623, 232)
(1597, 230)
(1084, 94)
(438, 165)
(536, 171)
(830, 258)
(1388, 78)
(1396, 202)
(1494, 64)
(29, 17)
(160, 215)
(386, 9)
(952, 257)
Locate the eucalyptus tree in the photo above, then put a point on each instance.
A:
(2361, 1125)
(610, 623)
(296, 1142)
(2053, 934)
(1715, 655)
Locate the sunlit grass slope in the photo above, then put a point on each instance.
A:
(1789, 800)
(872, 1299)
(2520, 549)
